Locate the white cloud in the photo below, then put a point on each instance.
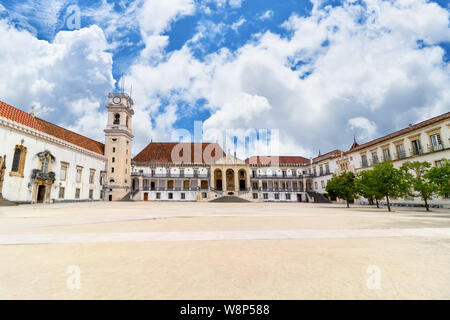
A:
(156, 16)
(266, 15)
(338, 64)
(367, 128)
(66, 80)
(235, 26)
(235, 3)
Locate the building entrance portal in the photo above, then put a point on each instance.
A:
(40, 194)
(218, 180)
(242, 180)
(230, 180)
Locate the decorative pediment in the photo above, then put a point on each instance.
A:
(230, 160)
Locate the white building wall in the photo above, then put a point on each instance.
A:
(20, 189)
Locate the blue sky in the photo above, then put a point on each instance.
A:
(317, 71)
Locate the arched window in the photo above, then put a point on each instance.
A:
(18, 162)
(126, 122)
(116, 119)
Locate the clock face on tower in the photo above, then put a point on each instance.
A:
(116, 100)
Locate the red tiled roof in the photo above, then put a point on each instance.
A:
(161, 152)
(277, 160)
(331, 154)
(14, 114)
(399, 133)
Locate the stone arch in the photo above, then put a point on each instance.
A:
(230, 179)
(116, 118)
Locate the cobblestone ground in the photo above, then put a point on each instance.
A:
(148, 250)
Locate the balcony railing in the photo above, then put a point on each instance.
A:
(170, 189)
(278, 189)
(170, 175)
(274, 176)
(37, 174)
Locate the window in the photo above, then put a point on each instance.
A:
(91, 194)
(44, 164)
(77, 193)
(61, 193)
(416, 147)
(91, 176)
(114, 149)
(186, 184)
(374, 157)
(116, 119)
(158, 195)
(112, 170)
(364, 160)
(316, 185)
(204, 195)
(79, 170)
(255, 185)
(255, 196)
(204, 184)
(265, 185)
(113, 159)
(288, 196)
(183, 196)
(63, 172)
(400, 151)
(170, 184)
(126, 122)
(386, 154)
(322, 184)
(170, 195)
(277, 196)
(327, 168)
(436, 141)
(295, 185)
(266, 196)
(18, 162)
(438, 163)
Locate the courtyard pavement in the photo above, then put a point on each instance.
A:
(160, 250)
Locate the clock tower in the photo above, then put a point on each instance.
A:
(118, 139)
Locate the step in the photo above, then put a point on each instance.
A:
(229, 199)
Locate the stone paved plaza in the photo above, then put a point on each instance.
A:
(157, 250)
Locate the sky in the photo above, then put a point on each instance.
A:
(311, 75)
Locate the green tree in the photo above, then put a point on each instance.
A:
(390, 182)
(424, 188)
(342, 186)
(366, 185)
(440, 177)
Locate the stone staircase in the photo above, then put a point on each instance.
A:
(229, 199)
(318, 198)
